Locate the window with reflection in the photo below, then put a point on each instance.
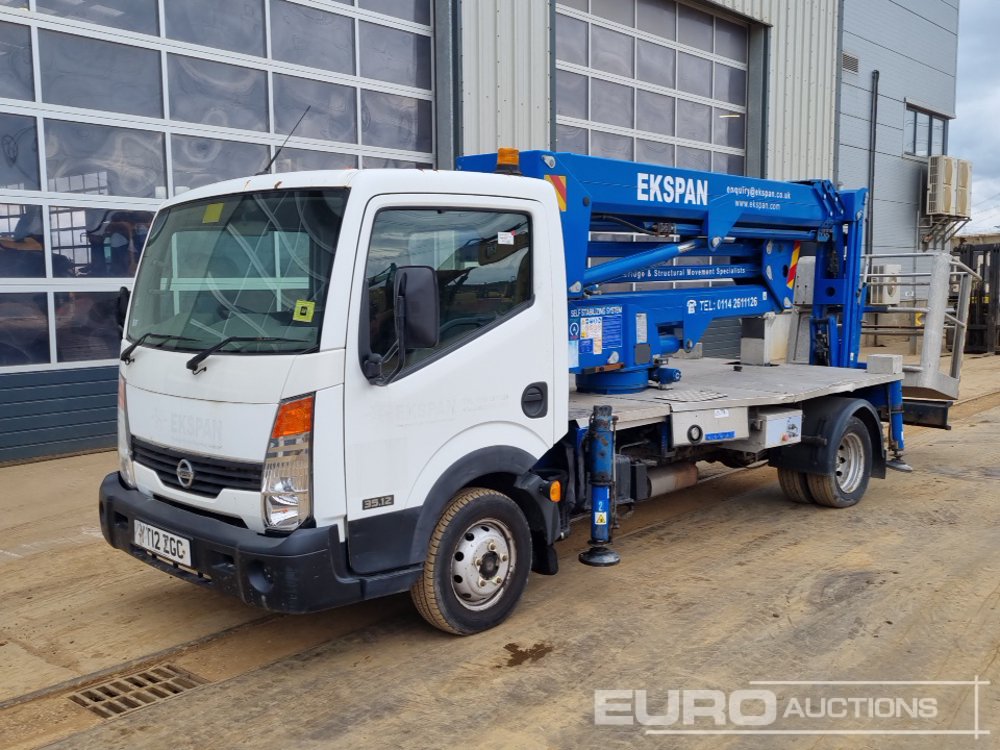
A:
(132, 15)
(612, 51)
(332, 114)
(381, 162)
(394, 55)
(654, 152)
(409, 10)
(102, 160)
(572, 139)
(728, 163)
(22, 241)
(80, 72)
(396, 121)
(694, 158)
(729, 129)
(97, 242)
(86, 326)
(236, 25)
(654, 113)
(300, 159)
(573, 94)
(611, 103)
(17, 78)
(571, 40)
(24, 329)
(201, 161)
(483, 265)
(610, 145)
(18, 153)
(657, 17)
(924, 133)
(213, 93)
(311, 37)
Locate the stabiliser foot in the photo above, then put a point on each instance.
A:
(898, 464)
(600, 557)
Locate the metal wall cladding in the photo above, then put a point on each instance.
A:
(914, 47)
(506, 69)
(801, 83)
(505, 74)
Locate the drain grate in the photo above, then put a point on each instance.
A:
(129, 692)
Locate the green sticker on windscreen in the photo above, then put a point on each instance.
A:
(304, 310)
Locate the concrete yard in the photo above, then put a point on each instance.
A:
(719, 586)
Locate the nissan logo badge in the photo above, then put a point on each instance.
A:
(185, 473)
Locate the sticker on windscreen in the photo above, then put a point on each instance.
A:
(213, 212)
(304, 311)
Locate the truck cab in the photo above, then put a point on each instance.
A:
(278, 441)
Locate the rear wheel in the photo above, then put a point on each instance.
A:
(851, 471)
(477, 563)
(795, 486)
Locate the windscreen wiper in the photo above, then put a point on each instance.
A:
(197, 359)
(126, 356)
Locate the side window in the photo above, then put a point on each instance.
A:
(483, 264)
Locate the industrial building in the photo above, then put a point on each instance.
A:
(109, 106)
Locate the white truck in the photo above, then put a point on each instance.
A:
(341, 385)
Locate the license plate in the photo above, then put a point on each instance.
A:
(162, 543)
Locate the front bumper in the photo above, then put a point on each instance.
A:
(305, 571)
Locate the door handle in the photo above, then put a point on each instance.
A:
(535, 400)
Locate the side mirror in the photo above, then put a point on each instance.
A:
(418, 311)
(122, 309)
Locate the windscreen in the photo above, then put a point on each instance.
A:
(253, 265)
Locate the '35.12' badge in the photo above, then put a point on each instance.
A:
(371, 503)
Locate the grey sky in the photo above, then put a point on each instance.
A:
(975, 134)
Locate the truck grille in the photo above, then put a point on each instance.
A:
(211, 475)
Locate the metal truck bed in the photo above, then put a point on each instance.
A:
(720, 384)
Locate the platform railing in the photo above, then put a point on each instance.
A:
(947, 271)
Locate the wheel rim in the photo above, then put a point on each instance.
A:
(850, 468)
(482, 563)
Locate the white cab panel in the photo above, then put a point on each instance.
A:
(402, 437)
(329, 505)
(211, 428)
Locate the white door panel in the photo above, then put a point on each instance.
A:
(401, 437)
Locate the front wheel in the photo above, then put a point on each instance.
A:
(477, 564)
(852, 468)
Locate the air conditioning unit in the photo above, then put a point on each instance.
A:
(949, 187)
(963, 190)
(884, 284)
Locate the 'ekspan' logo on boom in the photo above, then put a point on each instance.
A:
(668, 188)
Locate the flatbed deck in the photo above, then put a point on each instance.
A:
(717, 383)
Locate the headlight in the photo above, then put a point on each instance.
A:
(288, 466)
(125, 470)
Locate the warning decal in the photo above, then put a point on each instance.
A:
(558, 181)
(592, 329)
(793, 266)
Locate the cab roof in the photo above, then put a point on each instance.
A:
(378, 181)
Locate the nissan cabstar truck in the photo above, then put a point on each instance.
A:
(340, 385)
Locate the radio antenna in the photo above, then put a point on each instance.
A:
(291, 132)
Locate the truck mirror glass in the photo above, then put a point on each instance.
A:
(122, 309)
(417, 290)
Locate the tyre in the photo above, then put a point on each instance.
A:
(795, 486)
(477, 563)
(852, 468)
